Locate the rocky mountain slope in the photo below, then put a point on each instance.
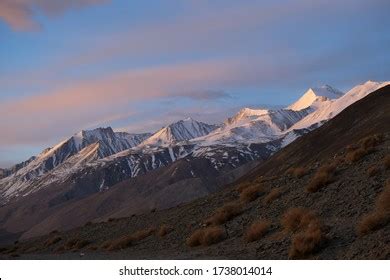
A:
(324, 196)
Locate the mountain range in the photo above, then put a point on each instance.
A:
(98, 174)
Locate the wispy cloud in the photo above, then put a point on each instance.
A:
(20, 15)
(80, 105)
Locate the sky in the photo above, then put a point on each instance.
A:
(139, 65)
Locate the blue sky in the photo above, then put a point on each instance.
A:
(138, 65)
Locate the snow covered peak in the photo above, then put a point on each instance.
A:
(314, 96)
(179, 131)
(330, 109)
(246, 114)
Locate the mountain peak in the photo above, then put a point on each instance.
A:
(182, 130)
(314, 95)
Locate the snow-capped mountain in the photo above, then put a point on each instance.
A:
(179, 131)
(87, 145)
(101, 158)
(330, 108)
(314, 97)
(253, 126)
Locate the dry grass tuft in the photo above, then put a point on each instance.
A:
(257, 230)
(323, 177)
(358, 154)
(297, 219)
(142, 234)
(225, 213)
(126, 241)
(307, 231)
(272, 195)
(52, 241)
(243, 186)
(75, 244)
(298, 172)
(371, 141)
(206, 236)
(365, 146)
(380, 216)
(306, 242)
(251, 193)
(119, 243)
(164, 230)
(386, 162)
(372, 171)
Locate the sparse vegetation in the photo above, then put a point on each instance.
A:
(297, 219)
(142, 234)
(164, 230)
(243, 186)
(323, 177)
(257, 230)
(272, 195)
(206, 236)
(297, 172)
(307, 231)
(119, 243)
(306, 242)
(365, 146)
(126, 241)
(225, 213)
(251, 193)
(372, 171)
(52, 241)
(76, 244)
(380, 215)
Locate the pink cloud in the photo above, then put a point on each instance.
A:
(36, 117)
(19, 14)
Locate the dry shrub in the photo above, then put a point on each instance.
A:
(371, 141)
(81, 244)
(206, 236)
(142, 234)
(323, 177)
(243, 186)
(69, 245)
(306, 242)
(52, 241)
(119, 243)
(257, 230)
(225, 213)
(307, 229)
(272, 195)
(93, 248)
(386, 162)
(380, 216)
(297, 172)
(164, 230)
(251, 193)
(106, 244)
(126, 241)
(365, 146)
(76, 244)
(372, 171)
(297, 219)
(356, 155)
(54, 231)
